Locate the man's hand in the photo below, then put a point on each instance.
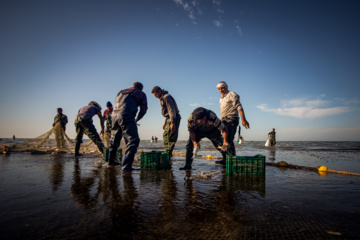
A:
(245, 124)
(172, 127)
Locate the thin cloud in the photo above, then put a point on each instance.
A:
(189, 9)
(238, 28)
(218, 23)
(217, 6)
(201, 104)
(193, 10)
(306, 109)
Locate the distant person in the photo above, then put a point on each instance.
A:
(230, 107)
(124, 124)
(272, 137)
(204, 123)
(60, 118)
(172, 117)
(152, 139)
(13, 137)
(107, 120)
(60, 121)
(84, 124)
(156, 139)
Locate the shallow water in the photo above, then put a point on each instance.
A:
(60, 197)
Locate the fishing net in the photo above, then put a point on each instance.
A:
(55, 140)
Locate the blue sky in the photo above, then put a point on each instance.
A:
(295, 64)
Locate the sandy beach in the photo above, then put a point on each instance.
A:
(58, 196)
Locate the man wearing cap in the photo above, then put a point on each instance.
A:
(84, 124)
(124, 124)
(230, 107)
(204, 123)
(107, 120)
(170, 111)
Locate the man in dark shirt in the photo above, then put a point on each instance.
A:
(60, 121)
(124, 124)
(84, 124)
(272, 137)
(172, 117)
(204, 123)
(60, 118)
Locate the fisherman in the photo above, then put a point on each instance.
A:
(107, 120)
(84, 123)
(59, 131)
(60, 118)
(204, 123)
(230, 107)
(124, 124)
(272, 137)
(172, 117)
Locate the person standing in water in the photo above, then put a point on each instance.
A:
(172, 117)
(59, 131)
(107, 119)
(230, 108)
(124, 124)
(272, 137)
(84, 124)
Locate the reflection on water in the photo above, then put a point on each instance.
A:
(57, 172)
(83, 198)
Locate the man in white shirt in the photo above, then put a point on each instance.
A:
(230, 107)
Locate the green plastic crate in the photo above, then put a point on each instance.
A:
(244, 166)
(118, 154)
(155, 160)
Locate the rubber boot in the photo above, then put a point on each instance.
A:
(187, 165)
(223, 161)
(77, 149)
(112, 157)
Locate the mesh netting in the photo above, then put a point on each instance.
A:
(54, 140)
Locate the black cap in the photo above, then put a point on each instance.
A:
(199, 113)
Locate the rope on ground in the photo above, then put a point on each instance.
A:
(320, 169)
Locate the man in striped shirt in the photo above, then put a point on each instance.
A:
(204, 123)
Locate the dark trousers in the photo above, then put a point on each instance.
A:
(124, 125)
(231, 125)
(87, 127)
(214, 136)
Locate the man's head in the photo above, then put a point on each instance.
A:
(222, 87)
(138, 85)
(156, 91)
(59, 110)
(109, 105)
(199, 114)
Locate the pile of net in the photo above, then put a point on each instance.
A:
(54, 141)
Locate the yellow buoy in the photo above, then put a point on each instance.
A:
(140, 150)
(322, 169)
(209, 157)
(283, 164)
(85, 148)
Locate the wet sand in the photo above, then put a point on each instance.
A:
(60, 197)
